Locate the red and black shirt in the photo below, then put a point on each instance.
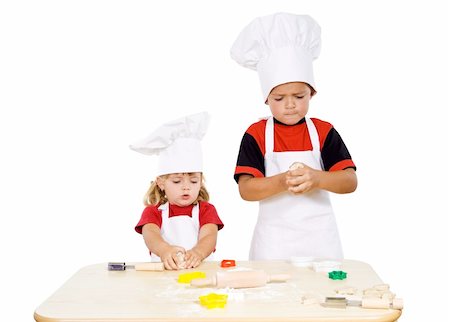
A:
(334, 153)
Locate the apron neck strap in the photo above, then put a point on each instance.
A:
(314, 136)
(269, 135)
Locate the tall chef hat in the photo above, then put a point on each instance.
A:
(177, 143)
(281, 48)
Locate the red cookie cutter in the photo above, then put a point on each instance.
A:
(228, 263)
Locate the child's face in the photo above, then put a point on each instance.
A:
(181, 189)
(289, 102)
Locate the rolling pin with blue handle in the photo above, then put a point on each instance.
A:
(121, 266)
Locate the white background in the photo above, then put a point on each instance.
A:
(81, 80)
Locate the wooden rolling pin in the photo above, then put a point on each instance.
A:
(152, 266)
(367, 303)
(239, 279)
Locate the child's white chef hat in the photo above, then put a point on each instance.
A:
(281, 47)
(178, 144)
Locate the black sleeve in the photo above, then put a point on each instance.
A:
(249, 156)
(334, 150)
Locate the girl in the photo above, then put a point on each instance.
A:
(179, 225)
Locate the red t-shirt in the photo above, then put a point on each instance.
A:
(207, 215)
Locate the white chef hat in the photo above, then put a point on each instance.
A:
(177, 143)
(281, 47)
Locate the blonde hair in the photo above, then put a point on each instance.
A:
(155, 195)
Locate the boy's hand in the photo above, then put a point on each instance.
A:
(169, 256)
(300, 178)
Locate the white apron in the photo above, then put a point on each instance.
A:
(179, 230)
(295, 225)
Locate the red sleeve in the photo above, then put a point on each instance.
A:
(334, 152)
(150, 215)
(208, 215)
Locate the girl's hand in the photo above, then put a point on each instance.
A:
(169, 256)
(193, 258)
(302, 179)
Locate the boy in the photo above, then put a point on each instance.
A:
(295, 214)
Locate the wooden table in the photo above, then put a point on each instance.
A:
(96, 294)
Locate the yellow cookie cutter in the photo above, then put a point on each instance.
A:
(187, 277)
(213, 300)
